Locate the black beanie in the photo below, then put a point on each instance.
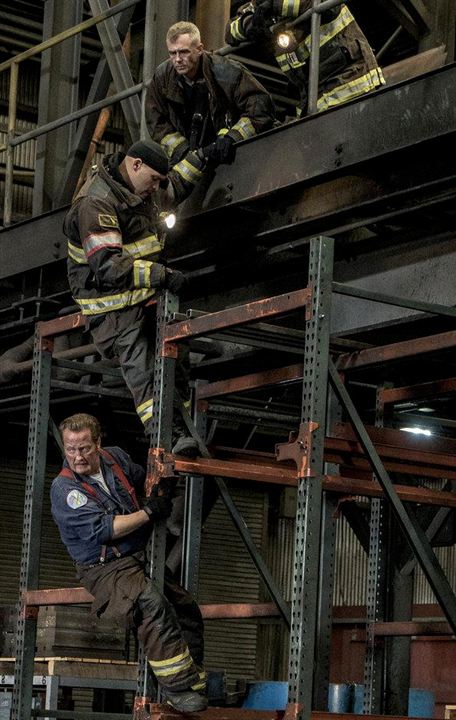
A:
(152, 154)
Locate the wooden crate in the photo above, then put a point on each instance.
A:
(72, 631)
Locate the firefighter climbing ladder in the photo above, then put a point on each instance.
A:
(311, 610)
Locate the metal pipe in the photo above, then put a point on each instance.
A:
(9, 167)
(65, 34)
(314, 61)
(389, 42)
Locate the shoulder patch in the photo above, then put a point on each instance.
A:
(108, 221)
(76, 499)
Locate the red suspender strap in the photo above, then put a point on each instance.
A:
(119, 473)
(66, 472)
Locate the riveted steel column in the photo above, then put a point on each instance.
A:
(309, 505)
(377, 570)
(161, 436)
(31, 536)
(193, 519)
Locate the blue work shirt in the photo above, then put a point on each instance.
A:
(86, 523)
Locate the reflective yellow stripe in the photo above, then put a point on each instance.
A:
(236, 31)
(174, 670)
(202, 682)
(108, 303)
(223, 131)
(188, 172)
(141, 273)
(342, 93)
(330, 30)
(77, 254)
(244, 127)
(171, 142)
(290, 8)
(144, 247)
(170, 661)
(145, 410)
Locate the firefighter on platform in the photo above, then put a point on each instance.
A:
(115, 238)
(348, 68)
(199, 104)
(95, 503)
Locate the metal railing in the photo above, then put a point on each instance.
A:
(13, 66)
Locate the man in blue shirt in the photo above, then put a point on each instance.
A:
(105, 530)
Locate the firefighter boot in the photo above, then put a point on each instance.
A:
(183, 443)
(187, 701)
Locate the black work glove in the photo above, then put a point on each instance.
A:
(222, 150)
(157, 275)
(261, 19)
(158, 507)
(175, 281)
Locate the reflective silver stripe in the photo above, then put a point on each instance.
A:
(342, 93)
(77, 254)
(95, 306)
(145, 410)
(236, 31)
(99, 241)
(188, 172)
(172, 666)
(171, 142)
(144, 247)
(290, 8)
(141, 273)
(244, 127)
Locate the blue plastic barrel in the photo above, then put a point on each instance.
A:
(339, 698)
(421, 703)
(358, 698)
(267, 695)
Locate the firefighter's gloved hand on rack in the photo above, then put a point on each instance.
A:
(158, 507)
(222, 151)
(163, 277)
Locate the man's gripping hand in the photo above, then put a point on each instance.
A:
(163, 277)
(158, 507)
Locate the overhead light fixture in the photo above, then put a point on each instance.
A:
(426, 409)
(417, 431)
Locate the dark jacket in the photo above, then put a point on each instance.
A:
(86, 525)
(238, 105)
(348, 67)
(113, 243)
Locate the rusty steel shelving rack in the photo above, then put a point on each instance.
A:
(303, 466)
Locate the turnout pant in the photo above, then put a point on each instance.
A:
(129, 335)
(169, 624)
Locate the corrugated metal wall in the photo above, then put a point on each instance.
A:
(227, 575)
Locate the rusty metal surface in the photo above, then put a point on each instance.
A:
(418, 392)
(58, 596)
(291, 373)
(258, 472)
(164, 712)
(396, 351)
(61, 325)
(250, 312)
(298, 449)
(160, 465)
(238, 610)
(408, 629)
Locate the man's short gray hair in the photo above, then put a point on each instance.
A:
(82, 421)
(183, 28)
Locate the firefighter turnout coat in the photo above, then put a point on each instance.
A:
(113, 243)
(239, 106)
(348, 68)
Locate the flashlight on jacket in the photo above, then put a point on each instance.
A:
(168, 219)
(286, 40)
